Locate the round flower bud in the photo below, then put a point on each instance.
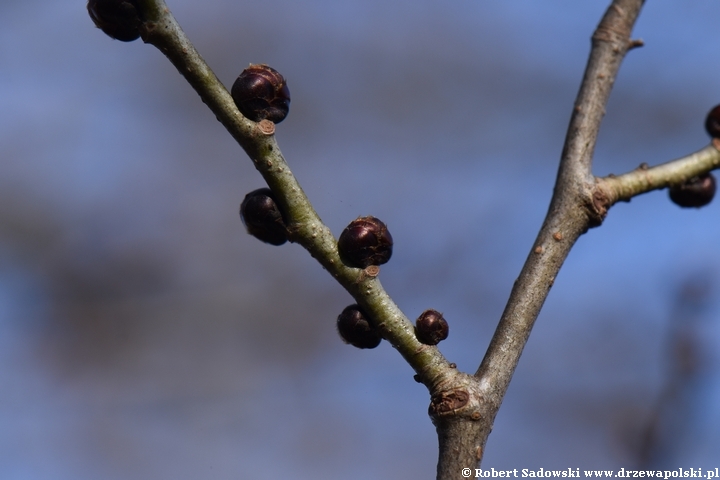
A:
(366, 241)
(431, 328)
(262, 217)
(712, 122)
(119, 19)
(354, 328)
(260, 93)
(696, 192)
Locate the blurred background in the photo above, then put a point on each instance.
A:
(144, 334)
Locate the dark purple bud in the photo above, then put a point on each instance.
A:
(712, 122)
(261, 93)
(431, 328)
(355, 329)
(696, 192)
(262, 217)
(119, 19)
(366, 241)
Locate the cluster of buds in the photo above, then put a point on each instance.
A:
(261, 93)
(356, 328)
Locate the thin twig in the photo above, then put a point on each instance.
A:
(619, 188)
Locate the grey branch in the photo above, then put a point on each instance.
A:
(463, 407)
(570, 214)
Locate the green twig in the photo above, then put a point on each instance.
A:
(619, 188)
(307, 229)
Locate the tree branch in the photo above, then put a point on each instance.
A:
(306, 228)
(645, 179)
(571, 210)
(610, 42)
(463, 407)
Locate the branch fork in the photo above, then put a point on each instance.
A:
(462, 406)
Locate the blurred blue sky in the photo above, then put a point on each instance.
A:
(143, 334)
